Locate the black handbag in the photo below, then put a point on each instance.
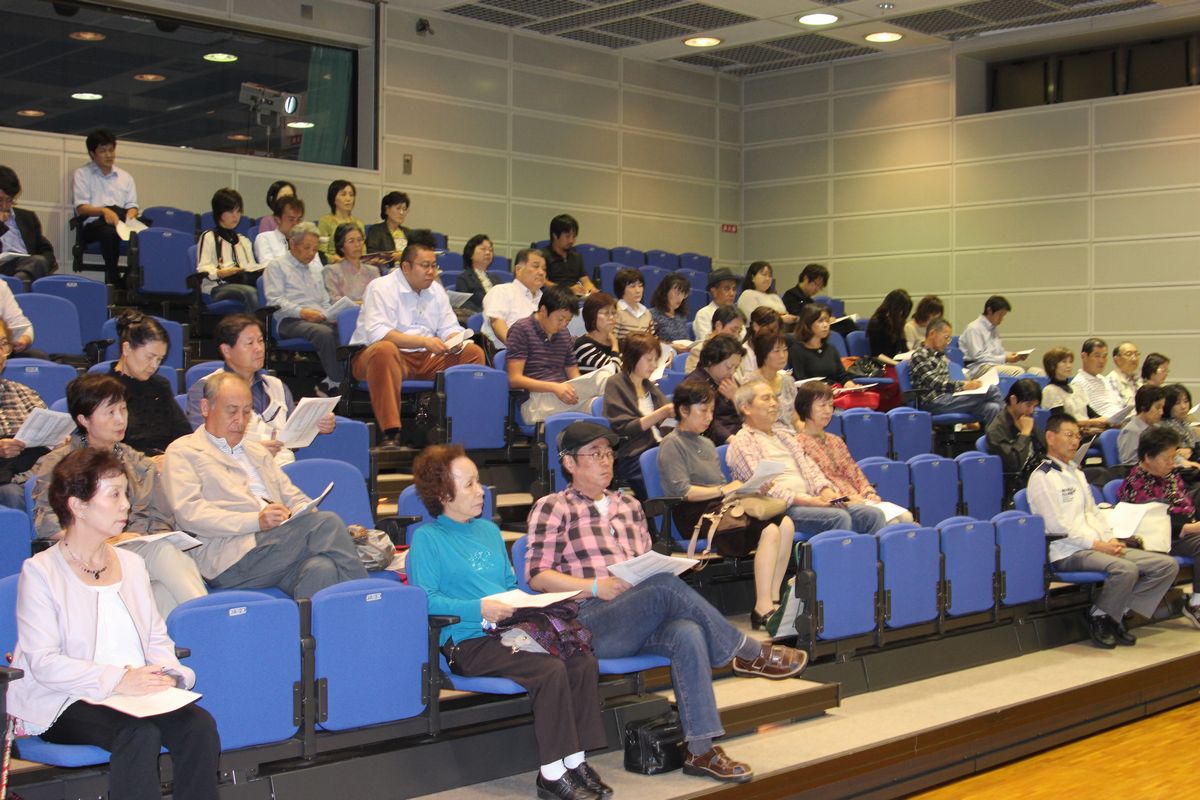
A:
(654, 746)
(866, 367)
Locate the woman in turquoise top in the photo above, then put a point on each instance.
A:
(459, 560)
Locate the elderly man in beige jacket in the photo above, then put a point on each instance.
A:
(228, 492)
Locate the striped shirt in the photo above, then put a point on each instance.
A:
(569, 534)
(546, 358)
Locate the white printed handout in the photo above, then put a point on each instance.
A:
(986, 381)
(311, 505)
(456, 340)
(127, 227)
(648, 564)
(666, 355)
(518, 599)
(1081, 453)
(806, 380)
(343, 304)
(45, 428)
(1119, 418)
(183, 541)
(587, 387)
(852, 317)
(763, 473)
(1024, 354)
(905, 356)
(891, 511)
(458, 299)
(301, 427)
(149, 705)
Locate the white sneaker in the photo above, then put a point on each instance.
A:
(1192, 614)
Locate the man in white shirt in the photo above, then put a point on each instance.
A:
(1137, 579)
(105, 195)
(508, 302)
(722, 288)
(405, 322)
(270, 245)
(1126, 378)
(1102, 399)
(981, 345)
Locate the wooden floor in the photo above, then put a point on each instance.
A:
(1153, 757)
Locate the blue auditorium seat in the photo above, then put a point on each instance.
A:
(500, 276)
(475, 399)
(90, 298)
(608, 271)
(197, 371)
(912, 432)
(866, 433)
(172, 218)
(593, 256)
(911, 573)
(890, 479)
(1022, 541)
(845, 566)
(905, 381)
(836, 306)
(295, 344)
(651, 278)
(350, 442)
(1111, 490)
(628, 256)
(14, 543)
(935, 488)
(177, 338)
(723, 460)
(663, 260)
(670, 381)
(410, 505)
(449, 261)
(969, 548)
(858, 344)
(835, 339)
(15, 284)
(1108, 448)
(982, 478)
(55, 324)
(168, 374)
(695, 262)
(348, 499)
(46, 378)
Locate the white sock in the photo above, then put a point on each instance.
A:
(1195, 601)
(554, 770)
(574, 760)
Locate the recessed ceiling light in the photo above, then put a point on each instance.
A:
(30, 112)
(883, 37)
(149, 77)
(702, 41)
(87, 96)
(221, 58)
(238, 137)
(301, 124)
(87, 36)
(817, 19)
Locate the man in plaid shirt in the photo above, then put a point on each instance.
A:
(574, 535)
(929, 371)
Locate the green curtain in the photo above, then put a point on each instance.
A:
(330, 89)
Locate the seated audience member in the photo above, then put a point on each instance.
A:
(298, 291)
(226, 257)
(1062, 393)
(97, 404)
(669, 312)
(929, 309)
(932, 386)
(811, 282)
(341, 196)
(405, 323)
(762, 320)
(717, 368)
(508, 302)
(1155, 369)
(19, 327)
(689, 468)
(1148, 406)
(812, 356)
(269, 222)
(813, 503)
(598, 347)
(272, 244)
(88, 631)
(1103, 400)
(541, 358)
(155, 420)
(1013, 436)
(1137, 579)
(885, 329)
(981, 345)
(814, 406)
(564, 266)
(758, 289)
(1125, 379)
(17, 401)
(228, 492)
(727, 320)
(636, 408)
(104, 195)
(460, 560)
(632, 316)
(576, 534)
(771, 353)
(390, 235)
(1156, 479)
(1177, 406)
(722, 288)
(21, 235)
(349, 276)
(477, 257)
(240, 341)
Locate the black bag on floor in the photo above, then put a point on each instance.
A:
(655, 745)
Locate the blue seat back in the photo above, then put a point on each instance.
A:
(1021, 501)
(982, 478)
(245, 649)
(519, 549)
(1112, 490)
(55, 322)
(890, 479)
(348, 499)
(370, 632)
(8, 612)
(628, 256)
(670, 381)
(197, 371)
(969, 548)
(837, 307)
(476, 406)
(1040, 416)
(858, 343)
(409, 505)
(847, 580)
(696, 262)
(168, 374)
(662, 259)
(167, 259)
(14, 544)
(697, 299)
(1021, 539)
(1108, 448)
(652, 476)
(651, 278)
(608, 271)
(593, 256)
(449, 261)
(551, 428)
(176, 350)
(176, 219)
(866, 433)
(475, 322)
(14, 284)
(935, 488)
(350, 442)
(912, 432)
(912, 570)
(89, 297)
(903, 378)
(500, 276)
(835, 340)
(723, 461)
(981, 444)
(46, 378)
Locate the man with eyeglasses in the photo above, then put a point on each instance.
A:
(1125, 378)
(410, 331)
(576, 534)
(1136, 579)
(508, 302)
(25, 252)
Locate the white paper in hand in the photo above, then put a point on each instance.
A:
(519, 599)
(183, 541)
(301, 427)
(310, 505)
(149, 705)
(763, 473)
(45, 428)
(636, 570)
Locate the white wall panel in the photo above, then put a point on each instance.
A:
(795, 160)
(895, 149)
(898, 233)
(1021, 132)
(794, 120)
(539, 180)
(1021, 179)
(438, 122)
(892, 191)
(900, 69)
(897, 105)
(572, 141)
(667, 196)
(445, 76)
(668, 115)
(1025, 268)
(1027, 223)
(788, 200)
(1146, 118)
(1150, 214)
(437, 169)
(921, 274)
(668, 156)
(1153, 166)
(1124, 263)
(555, 95)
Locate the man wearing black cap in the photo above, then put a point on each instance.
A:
(722, 288)
(576, 534)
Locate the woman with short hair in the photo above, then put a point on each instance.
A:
(390, 235)
(636, 408)
(598, 347)
(1155, 369)
(341, 196)
(477, 257)
(226, 257)
(275, 192)
(632, 316)
(669, 312)
(348, 276)
(156, 419)
(758, 290)
(771, 353)
(1060, 392)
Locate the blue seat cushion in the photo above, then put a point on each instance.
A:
(1080, 577)
(35, 748)
(483, 684)
(630, 664)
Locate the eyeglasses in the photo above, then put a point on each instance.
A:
(428, 266)
(599, 455)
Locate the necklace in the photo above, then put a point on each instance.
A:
(95, 573)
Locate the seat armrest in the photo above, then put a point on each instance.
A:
(396, 527)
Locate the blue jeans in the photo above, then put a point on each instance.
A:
(985, 406)
(857, 518)
(664, 616)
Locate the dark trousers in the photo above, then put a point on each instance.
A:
(189, 733)
(110, 246)
(27, 268)
(565, 694)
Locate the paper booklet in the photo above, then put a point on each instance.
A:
(1025, 353)
(1120, 417)
(986, 381)
(125, 228)
(763, 473)
(851, 317)
(666, 355)
(891, 511)
(343, 304)
(684, 343)
(1124, 518)
(45, 428)
(1081, 453)
(456, 340)
(311, 505)
(905, 356)
(648, 564)
(519, 599)
(457, 298)
(183, 541)
(301, 427)
(149, 705)
(806, 380)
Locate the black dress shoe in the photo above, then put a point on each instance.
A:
(568, 787)
(591, 779)
(1101, 629)
(1122, 634)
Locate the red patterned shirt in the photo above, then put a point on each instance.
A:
(569, 534)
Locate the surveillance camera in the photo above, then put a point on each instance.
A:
(424, 27)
